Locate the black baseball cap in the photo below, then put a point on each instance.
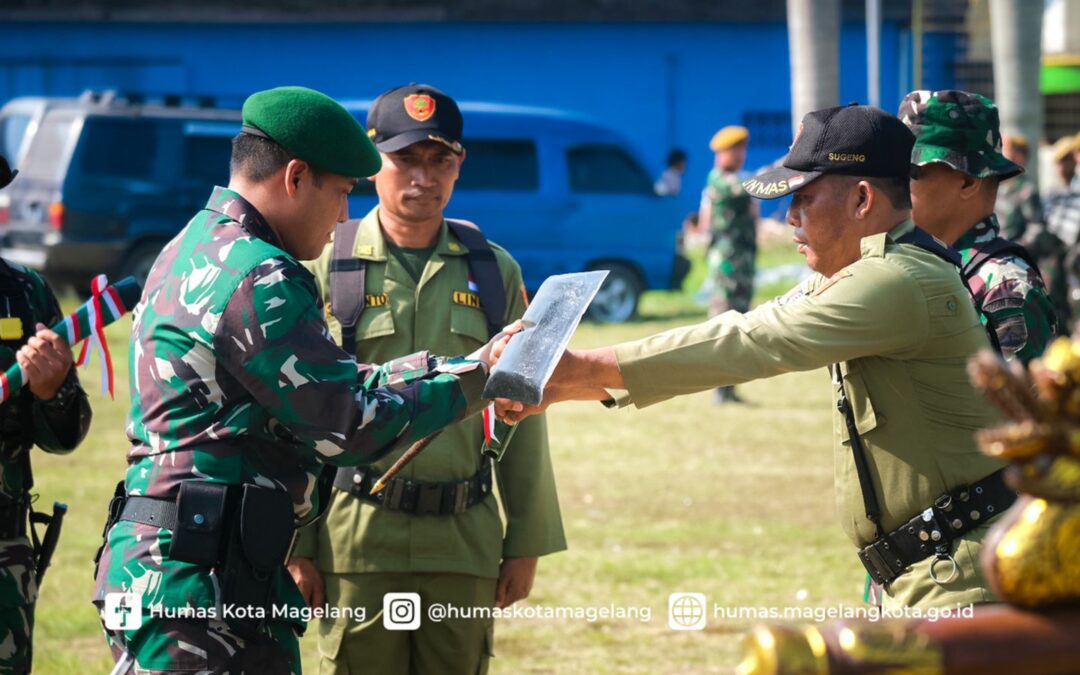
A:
(852, 140)
(417, 112)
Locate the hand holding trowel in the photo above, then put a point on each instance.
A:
(527, 362)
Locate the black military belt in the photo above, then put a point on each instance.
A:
(414, 497)
(932, 532)
(150, 511)
(13, 518)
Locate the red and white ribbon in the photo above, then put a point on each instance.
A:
(489, 425)
(96, 339)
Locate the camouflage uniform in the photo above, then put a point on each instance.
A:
(1018, 206)
(235, 380)
(960, 130)
(1063, 222)
(734, 243)
(1012, 293)
(56, 427)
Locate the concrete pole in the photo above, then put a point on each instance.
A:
(873, 52)
(1016, 37)
(814, 44)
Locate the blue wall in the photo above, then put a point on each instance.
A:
(662, 85)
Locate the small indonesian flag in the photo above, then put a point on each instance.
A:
(489, 425)
(473, 287)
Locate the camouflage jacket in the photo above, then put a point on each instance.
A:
(1010, 291)
(26, 421)
(235, 379)
(1018, 206)
(732, 220)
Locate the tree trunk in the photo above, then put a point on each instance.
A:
(1016, 35)
(814, 39)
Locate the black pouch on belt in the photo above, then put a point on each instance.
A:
(259, 542)
(201, 508)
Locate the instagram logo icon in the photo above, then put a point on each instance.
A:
(401, 611)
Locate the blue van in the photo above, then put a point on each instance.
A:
(105, 185)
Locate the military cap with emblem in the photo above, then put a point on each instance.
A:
(729, 137)
(852, 140)
(958, 129)
(313, 127)
(414, 113)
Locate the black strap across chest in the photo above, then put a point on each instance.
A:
(348, 276)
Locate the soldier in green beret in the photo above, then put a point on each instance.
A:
(239, 398)
(888, 315)
(957, 169)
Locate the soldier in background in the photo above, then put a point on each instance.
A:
(51, 412)
(730, 216)
(957, 166)
(1018, 204)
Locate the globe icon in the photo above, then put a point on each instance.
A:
(686, 611)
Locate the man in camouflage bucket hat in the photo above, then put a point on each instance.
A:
(956, 168)
(239, 397)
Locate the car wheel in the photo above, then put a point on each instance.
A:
(140, 259)
(617, 299)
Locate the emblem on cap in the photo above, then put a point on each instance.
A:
(420, 107)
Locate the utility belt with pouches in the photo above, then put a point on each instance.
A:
(243, 532)
(414, 497)
(932, 532)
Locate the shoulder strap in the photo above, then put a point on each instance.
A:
(999, 246)
(347, 283)
(924, 240)
(485, 269)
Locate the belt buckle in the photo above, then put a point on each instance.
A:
(428, 499)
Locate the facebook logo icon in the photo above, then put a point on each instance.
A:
(122, 611)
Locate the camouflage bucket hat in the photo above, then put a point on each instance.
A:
(959, 130)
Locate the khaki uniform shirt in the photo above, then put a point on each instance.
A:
(439, 313)
(902, 327)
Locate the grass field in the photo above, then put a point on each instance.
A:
(733, 502)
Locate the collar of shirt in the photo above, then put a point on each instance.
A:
(984, 230)
(371, 242)
(230, 204)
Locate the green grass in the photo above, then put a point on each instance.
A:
(732, 502)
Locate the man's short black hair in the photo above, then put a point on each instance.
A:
(255, 158)
(896, 188)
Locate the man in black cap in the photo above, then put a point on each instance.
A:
(887, 313)
(405, 278)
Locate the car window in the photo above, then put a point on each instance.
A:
(47, 157)
(206, 159)
(120, 147)
(12, 132)
(605, 168)
(499, 164)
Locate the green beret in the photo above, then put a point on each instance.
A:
(313, 127)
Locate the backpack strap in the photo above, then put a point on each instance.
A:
(998, 246)
(347, 277)
(485, 270)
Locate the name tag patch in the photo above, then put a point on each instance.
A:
(466, 298)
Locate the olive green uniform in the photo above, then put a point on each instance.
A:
(902, 327)
(364, 551)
